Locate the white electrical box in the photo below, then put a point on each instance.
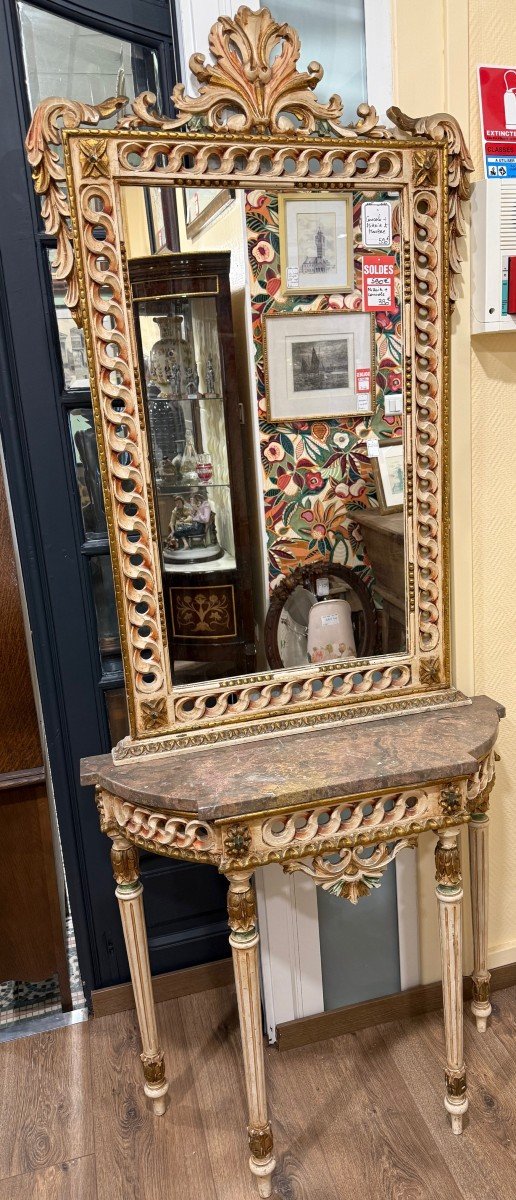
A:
(493, 246)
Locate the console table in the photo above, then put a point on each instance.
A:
(299, 801)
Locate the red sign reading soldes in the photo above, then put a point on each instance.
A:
(378, 275)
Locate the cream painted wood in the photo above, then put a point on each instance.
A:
(129, 894)
(244, 940)
(449, 893)
(478, 830)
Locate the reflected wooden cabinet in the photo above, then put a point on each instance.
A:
(184, 329)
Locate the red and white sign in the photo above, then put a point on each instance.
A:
(497, 88)
(363, 379)
(378, 275)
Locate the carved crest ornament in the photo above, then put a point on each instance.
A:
(256, 116)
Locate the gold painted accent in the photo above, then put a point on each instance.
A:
(241, 910)
(430, 672)
(93, 158)
(260, 1141)
(455, 1083)
(480, 804)
(154, 713)
(411, 587)
(481, 990)
(354, 875)
(124, 862)
(451, 799)
(426, 168)
(154, 1068)
(447, 865)
(237, 840)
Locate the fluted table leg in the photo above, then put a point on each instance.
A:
(129, 893)
(244, 941)
(449, 895)
(479, 870)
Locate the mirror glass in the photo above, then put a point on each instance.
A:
(270, 337)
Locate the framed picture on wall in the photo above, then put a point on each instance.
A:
(202, 206)
(389, 476)
(316, 243)
(318, 365)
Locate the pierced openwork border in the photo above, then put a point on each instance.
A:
(253, 118)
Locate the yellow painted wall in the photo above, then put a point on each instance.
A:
(437, 48)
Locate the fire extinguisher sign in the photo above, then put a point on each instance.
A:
(497, 88)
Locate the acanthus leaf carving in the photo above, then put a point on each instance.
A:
(355, 874)
(441, 127)
(42, 142)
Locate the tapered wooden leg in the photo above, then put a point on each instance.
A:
(129, 892)
(244, 944)
(479, 870)
(449, 895)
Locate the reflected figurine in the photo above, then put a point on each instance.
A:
(210, 377)
(192, 536)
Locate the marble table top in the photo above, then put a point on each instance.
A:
(346, 760)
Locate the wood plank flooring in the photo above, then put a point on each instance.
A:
(361, 1115)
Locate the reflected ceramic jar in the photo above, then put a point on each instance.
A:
(330, 632)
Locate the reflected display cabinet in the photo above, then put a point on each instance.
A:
(183, 323)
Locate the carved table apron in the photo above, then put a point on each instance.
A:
(377, 783)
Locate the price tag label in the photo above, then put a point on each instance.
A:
(329, 619)
(378, 275)
(372, 446)
(376, 224)
(322, 586)
(363, 403)
(363, 379)
(292, 276)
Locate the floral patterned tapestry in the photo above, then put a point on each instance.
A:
(317, 472)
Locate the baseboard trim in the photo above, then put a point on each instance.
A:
(169, 986)
(412, 1003)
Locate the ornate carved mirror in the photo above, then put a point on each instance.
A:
(271, 393)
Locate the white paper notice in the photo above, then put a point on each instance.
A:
(363, 403)
(372, 447)
(377, 224)
(292, 276)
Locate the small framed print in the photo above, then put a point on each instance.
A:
(316, 243)
(318, 365)
(389, 476)
(202, 206)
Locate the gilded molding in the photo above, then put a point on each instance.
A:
(481, 989)
(241, 910)
(261, 1142)
(455, 1083)
(447, 865)
(124, 862)
(154, 1068)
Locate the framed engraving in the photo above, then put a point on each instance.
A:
(319, 366)
(257, 127)
(316, 243)
(389, 472)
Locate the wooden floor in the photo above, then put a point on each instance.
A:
(358, 1117)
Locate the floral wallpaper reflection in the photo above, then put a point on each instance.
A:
(317, 472)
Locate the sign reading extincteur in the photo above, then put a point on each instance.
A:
(497, 88)
(378, 275)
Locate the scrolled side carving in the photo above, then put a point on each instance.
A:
(48, 173)
(441, 127)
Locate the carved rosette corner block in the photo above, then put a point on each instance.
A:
(447, 865)
(124, 862)
(237, 840)
(154, 1068)
(451, 799)
(261, 1142)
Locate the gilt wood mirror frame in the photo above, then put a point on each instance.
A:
(256, 122)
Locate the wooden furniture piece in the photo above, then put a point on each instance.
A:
(383, 535)
(32, 938)
(374, 786)
(208, 599)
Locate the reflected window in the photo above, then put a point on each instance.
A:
(63, 58)
(331, 32)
